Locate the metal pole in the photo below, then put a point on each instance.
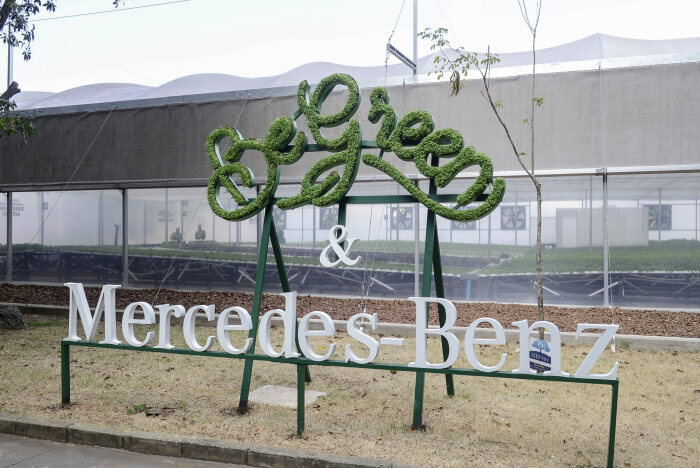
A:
(606, 252)
(10, 65)
(415, 35)
(416, 250)
(313, 228)
(100, 218)
(590, 214)
(167, 214)
(9, 236)
(258, 224)
(516, 218)
(125, 237)
(658, 216)
(41, 220)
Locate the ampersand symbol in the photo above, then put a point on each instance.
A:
(337, 236)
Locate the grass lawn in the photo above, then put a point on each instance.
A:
(368, 413)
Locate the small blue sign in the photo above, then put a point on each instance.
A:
(540, 355)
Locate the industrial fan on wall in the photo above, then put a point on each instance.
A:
(513, 217)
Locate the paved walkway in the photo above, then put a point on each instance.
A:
(22, 452)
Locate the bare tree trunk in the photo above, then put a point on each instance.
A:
(5, 10)
(540, 293)
(11, 91)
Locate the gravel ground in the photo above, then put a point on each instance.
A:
(631, 321)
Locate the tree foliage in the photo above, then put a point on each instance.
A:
(17, 30)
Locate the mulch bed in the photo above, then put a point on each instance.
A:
(631, 321)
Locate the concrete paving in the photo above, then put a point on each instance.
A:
(23, 452)
(282, 396)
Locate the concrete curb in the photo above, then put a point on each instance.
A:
(651, 343)
(172, 445)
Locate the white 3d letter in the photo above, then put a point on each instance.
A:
(289, 317)
(191, 321)
(305, 333)
(584, 371)
(223, 327)
(128, 322)
(355, 332)
(165, 311)
(422, 330)
(524, 368)
(79, 303)
(470, 342)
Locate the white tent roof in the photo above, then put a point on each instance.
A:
(595, 47)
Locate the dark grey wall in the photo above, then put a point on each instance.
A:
(636, 116)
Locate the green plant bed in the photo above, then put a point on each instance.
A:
(666, 256)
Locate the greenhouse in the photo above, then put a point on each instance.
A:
(113, 188)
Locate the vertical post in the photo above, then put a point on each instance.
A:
(516, 219)
(313, 228)
(590, 214)
(125, 238)
(415, 36)
(65, 373)
(606, 251)
(10, 64)
(416, 249)
(100, 218)
(489, 228)
(255, 311)
(425, 292)
(167, 214)
(613, 424)
(658, 216)
(9, 215)
(302, 224)
(41, 217)
(440, 292)
(300, 399)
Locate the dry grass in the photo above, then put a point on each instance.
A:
(368, 413)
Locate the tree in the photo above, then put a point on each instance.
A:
(457, 62)
(17, 31)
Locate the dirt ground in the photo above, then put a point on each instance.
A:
(631, 321)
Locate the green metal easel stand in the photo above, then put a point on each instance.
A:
(431, 264)
(269, 236)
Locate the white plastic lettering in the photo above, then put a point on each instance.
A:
(289, 318)
(584, 370)
(555, 347)
(422, 331)
(470, 341)
(304, 334)
(355, 332)
(223, 327)
(189, 325)
(165, 311)
(128, 322)
(79, 303)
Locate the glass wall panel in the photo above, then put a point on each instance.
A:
(176, 241)
(655, 259)
(493, 259)
(3, 236)
(67, 236)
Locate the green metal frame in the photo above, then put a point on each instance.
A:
(302, 363)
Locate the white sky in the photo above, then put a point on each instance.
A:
(154, 45)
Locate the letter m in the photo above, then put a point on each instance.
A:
(79, 304)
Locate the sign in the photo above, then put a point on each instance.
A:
(411, 138)
(17, 208)
(540, 355)
(160, 316)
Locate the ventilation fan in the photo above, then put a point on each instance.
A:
(513, 217)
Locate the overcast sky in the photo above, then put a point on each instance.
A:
(154, 45)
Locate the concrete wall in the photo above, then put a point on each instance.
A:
(626, 227)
